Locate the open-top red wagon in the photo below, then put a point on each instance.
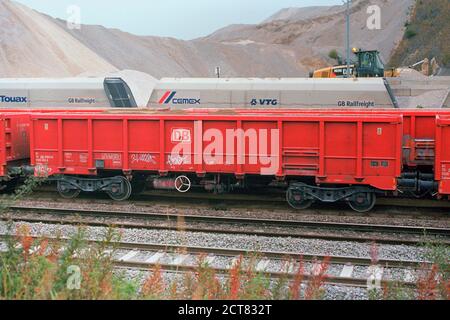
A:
(443, 154)
(317, 156)
(14, 145)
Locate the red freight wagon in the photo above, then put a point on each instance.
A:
(443, 154)
(15, 140)
(323, 157)
(419, 131)
(14, 144)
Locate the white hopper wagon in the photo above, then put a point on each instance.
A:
(137, 90)
(126, 89)
(302, 93)
(69, 93)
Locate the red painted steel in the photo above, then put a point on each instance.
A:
(14, 140)
(442, 167)
(419, 127)
(15, 135)
(347, 148)
(419, 130)
(7, 110)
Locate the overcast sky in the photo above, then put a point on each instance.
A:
(185, 19)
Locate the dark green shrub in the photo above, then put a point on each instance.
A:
(410, 33)
(446, 59)
(333, 54)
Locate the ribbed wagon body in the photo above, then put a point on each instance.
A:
(14, 144)
(355, 151)
(419, 131)
(443, 154)
(316, 155)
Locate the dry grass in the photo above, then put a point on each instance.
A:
(42, 269)
(427, 34)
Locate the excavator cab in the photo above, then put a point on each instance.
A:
(369, 64)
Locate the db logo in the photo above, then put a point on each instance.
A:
(181, 135)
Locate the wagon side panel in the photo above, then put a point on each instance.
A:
(443, 155)
(2, 147)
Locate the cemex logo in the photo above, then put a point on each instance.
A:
(169, 97)
(13, 99)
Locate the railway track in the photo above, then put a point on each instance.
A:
(234, 225)
(264, 198)
(281, 199)
(181, 259)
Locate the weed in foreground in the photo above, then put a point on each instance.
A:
(76, 269)
(432, 279)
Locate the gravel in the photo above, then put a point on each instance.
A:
(242, 242)
(391, 216)
(345, 293)
(431, 100)
(245, 228)
(396, 274)
(331, 292)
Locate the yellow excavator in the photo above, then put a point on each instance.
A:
(368, 65)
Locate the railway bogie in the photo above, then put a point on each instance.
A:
(302, 196)
(119, 188)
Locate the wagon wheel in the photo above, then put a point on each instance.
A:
(66, 192)
(183, 184)
(298, 200)
(122, 191)
(363, 202)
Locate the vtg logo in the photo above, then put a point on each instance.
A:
(13, 99)
(264, 102)
(169, 97)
